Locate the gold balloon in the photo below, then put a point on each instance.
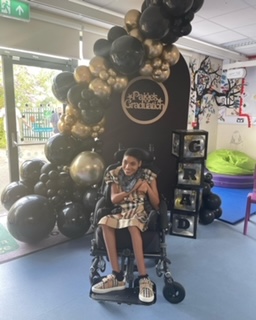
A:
(136, 34)
(120, 84)
(165, 66)
(94, 135)
(80, 130)
(63, 127)
(97, 64)
(112, 73)
(96, 128)
(101, 130)
(103, 75)
(154, 48)
(111, 81)
(70, 120)
(82, 74)
(171, 54)
(131, 19)
(156, 62)
(87, 168)
(100, 87)
(147, 69)
(160, 75)
(71, 111)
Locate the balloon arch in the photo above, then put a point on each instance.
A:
(65, 189)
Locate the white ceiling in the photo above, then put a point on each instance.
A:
(229, 24)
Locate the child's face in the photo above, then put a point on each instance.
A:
(130, 165)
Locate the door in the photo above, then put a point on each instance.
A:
(26, 105)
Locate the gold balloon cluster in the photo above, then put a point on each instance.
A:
(106, 79)
(70, 122)
(159, 57)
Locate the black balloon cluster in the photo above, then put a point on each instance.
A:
(211, 202)
(60, 192)
(143, 47)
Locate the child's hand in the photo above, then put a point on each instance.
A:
(143, 187)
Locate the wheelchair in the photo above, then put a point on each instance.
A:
(154, 246)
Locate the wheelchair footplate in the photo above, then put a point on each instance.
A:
(128, 296)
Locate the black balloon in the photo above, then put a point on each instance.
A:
(127, 55)
(153, 24)
(206, 216)
(115, 33)
(178, 7)
(74, 94)
(30, 170)
(40, 189)
(13, 192)
(208, 176)
(185, 29)
(90, 198)
(197, 5)
(170, 37)
(101, 47)
(206, 188)
(61, 84)
(31, 218)
(86, 145)
(60, 149)
(218, 213)
(92, 116)
(47, 167)
(212, 201)
(72, 220)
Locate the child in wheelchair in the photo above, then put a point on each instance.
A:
(130, 184)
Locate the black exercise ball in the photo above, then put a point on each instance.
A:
(13, 192)
(31, 218)
(72, 220)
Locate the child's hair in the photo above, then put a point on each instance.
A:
(135, 153)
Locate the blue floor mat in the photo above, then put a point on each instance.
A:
(233, 203)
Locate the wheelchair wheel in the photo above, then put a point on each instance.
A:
(174, 292)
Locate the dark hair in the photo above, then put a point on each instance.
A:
(135, 153)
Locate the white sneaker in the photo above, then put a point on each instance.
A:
(146, 293)
(108, 284)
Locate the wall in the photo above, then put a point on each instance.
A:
(227, 129)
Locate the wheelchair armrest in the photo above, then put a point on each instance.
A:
(101, 210)
(164, 223)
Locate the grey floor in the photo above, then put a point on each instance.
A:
(218, 271)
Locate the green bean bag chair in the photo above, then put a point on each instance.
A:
(230, 162)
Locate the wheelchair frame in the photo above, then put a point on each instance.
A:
(173, 291)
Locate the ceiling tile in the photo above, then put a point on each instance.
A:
(249, 31)
(237, 19)
(223, 37)
(205, 27)
(214, 8)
